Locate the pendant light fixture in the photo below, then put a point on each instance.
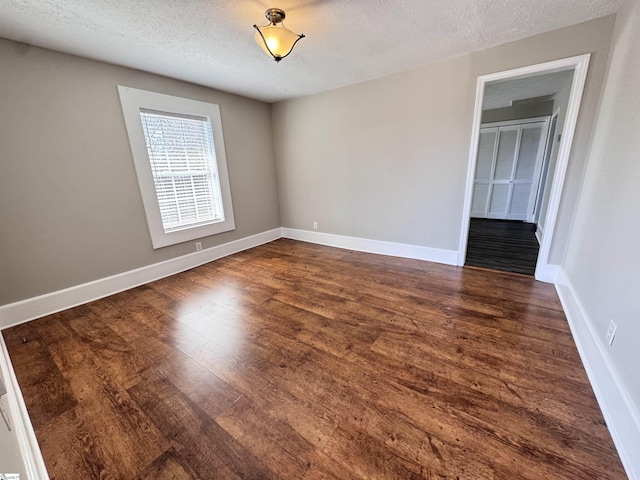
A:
(275, 39)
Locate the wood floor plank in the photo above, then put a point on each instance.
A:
(115, 423)
(453, 360)
(202, 387)
(169, 466)
(71, 451)
(210, 451)
(49, 397)
(441, 381)
(294, 360)
(338, 393)
(122, 361)
(265, 436)
(248, 374)
(46, 392)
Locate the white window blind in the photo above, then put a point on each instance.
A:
(183, 165)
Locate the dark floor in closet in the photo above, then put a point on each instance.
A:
(507, 245)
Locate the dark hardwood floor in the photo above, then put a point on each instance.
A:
(506, 245)
(293, 361)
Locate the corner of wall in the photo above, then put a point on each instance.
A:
(619, 411)
(416, 252)
(19, 417)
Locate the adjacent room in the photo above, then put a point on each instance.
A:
(319, 239)
(517, 156)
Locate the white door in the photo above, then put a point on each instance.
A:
(508, 170)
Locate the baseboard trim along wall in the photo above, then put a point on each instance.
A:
(20, 422)
(32, 308)
(437, 255)
(619, 411)
(548, 273)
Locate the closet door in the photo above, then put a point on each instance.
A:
(500, 191)
(526, 172)
(484, 171)
(508, 171)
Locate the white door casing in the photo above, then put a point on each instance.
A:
(544, 175)
(579, 64)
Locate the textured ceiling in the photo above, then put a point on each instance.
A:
(210, 42)
(502, 92)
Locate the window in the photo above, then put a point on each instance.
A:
(179, 156)
(185, 176)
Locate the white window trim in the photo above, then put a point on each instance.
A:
(132, 100)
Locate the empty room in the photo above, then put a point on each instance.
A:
(319, 239)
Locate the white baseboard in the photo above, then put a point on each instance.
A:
(20, 422)
(32, 308)
(618, 409)
(548, 273)
(539, 234)
(448, 257)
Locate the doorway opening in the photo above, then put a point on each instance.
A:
(522, 132)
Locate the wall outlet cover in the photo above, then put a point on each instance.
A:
(611, 332)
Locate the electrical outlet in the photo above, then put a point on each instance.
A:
(315, 225)
(611, 332)
(198, 246)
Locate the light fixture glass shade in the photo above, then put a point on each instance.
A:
(275, 39)
(278, 40)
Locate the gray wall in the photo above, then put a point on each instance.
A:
(518, 112)
(378, 160)
(384, 159)
(387, 159)
(70, 206)
(603, 256)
